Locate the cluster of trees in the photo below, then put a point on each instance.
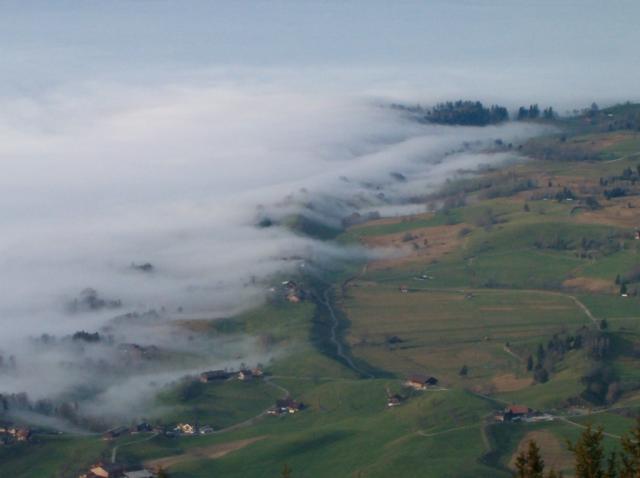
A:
(585, 247)
(466, 113)
(461, 112)
(616, 192)
(590, 457)
(601, 385)
(89, 300)
(624, 280)
(533, 112)
(565, 194)
(85, 336)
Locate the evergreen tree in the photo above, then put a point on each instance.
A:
(612, 466)
(588, 454)
(523, 113)
(631, 453)
(529, 363)
(623, 288)
(530, 464)
(464, 371)
(534, 111)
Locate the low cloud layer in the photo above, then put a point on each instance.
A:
(105, 176)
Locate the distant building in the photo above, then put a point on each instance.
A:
(214, 375)
(141, 428)
(139, 474)
(286, 405)
(420, 382)
(105, 470)
(404, 289)
(114, 433)
(185, 428)
(514, 413)
(394, 400)
(248, 374)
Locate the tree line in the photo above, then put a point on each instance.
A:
(589, 456)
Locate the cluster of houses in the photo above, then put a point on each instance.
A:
(115, 470)
(521, 413)
(188, 429)
(221, 375)
(285, 406)
(10, 434)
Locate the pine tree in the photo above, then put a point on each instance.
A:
(631, 453)
(531, 464)
(529, 363)
(588, 453)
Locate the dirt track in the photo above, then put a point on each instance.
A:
(208, 452)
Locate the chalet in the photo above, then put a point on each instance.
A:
(404, 289)
(394, 400)
(421, 382)
(248, 374)
(514, 413)
(22, 434)
(114, 433)
(286, 405)
(185, 429)
(141, 428)
(637, 235)
(105, 470)
(214, 375)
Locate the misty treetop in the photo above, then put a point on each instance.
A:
(460, 112)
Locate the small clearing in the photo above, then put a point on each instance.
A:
(424, 245)
(510, 383)
(553, 451)
(590, 284)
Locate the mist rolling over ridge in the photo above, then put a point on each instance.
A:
(167, 164)
(180, 179)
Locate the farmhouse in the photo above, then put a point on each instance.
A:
(394, 400)
(213, 375)
(248, 374)
(114, 433)
(104, 470)
(420, 382)
(514, 413)
(185, 428)
(286, 405)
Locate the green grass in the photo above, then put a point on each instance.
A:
(50, 457)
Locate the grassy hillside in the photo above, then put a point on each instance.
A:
(523, 275)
